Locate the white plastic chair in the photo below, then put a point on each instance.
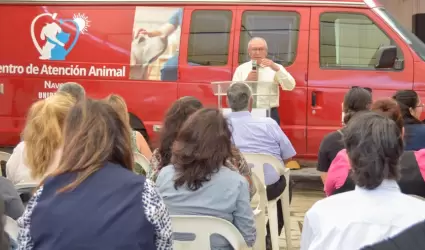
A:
(4, 157)
(258, 160)
(203, 227)
(11, 227)
(142, 161)
(25, 187)
(260, 213)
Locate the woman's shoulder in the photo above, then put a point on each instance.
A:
(166, 174)
(227, 175)
(415, 127)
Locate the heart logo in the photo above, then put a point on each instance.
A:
(55, 38)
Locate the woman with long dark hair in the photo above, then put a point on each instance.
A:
(411, 109)
(93, 200)
(197, 182)
(176, 115)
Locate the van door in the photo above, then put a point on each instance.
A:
(343, 43)
(286, 30)
(205, 49)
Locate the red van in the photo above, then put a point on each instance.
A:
(153, 52)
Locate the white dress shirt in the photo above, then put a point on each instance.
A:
(352, 220)
(266, 74)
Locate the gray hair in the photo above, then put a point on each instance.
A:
(74, 89)
(257, 39)
(238, 96)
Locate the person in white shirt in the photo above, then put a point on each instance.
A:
(376, 209)
(262, 69)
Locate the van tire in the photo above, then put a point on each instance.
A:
(138, 125)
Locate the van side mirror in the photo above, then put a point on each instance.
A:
(386, 57)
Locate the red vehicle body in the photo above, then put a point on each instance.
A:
(327, 46)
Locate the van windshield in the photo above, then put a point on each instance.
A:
(411, 39)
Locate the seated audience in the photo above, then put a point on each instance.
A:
(93, 200)
(13, 206)
(176, 115)
(259, 135)
(410, 239)
(355, 100)
(376, 209)
(74, 89)
(412, 164)
(411, 108)
(138, 142)
(39, 152)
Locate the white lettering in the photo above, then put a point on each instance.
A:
(117, 72)
(63, 71)
(51, 85)
(72, 70)
(44, 95)
(11, 69)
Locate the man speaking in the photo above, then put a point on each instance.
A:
(264, 70)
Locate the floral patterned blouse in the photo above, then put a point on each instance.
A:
(237, 163)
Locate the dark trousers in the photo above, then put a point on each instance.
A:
(274, 191)
(274, 114)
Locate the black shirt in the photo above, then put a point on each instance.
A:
(410, 239)
(329, 148)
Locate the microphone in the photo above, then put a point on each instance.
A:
(254, 64)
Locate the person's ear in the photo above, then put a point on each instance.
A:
(250, 102)
(412, 111)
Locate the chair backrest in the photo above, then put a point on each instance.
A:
(203, 227)
(11, 227)
(4, 157)
(258, 160)
(25, 187)
(142, 161)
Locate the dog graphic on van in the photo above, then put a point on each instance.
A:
(55, 39)
(49, 32)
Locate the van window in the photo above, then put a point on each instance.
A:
(279, 28)
(209, 37)
(350, 41)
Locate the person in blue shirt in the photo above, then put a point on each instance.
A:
(411, 108)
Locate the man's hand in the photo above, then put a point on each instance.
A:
(252, 76)
(269, 63)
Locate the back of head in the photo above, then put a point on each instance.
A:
(43, 131)
(389, 108)
(74, 89)
(238, 96)
(201, 148)
(176, 115)
(374, 145)
(407, 100)
(355, 100)
(118, 103)
(94, 134)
